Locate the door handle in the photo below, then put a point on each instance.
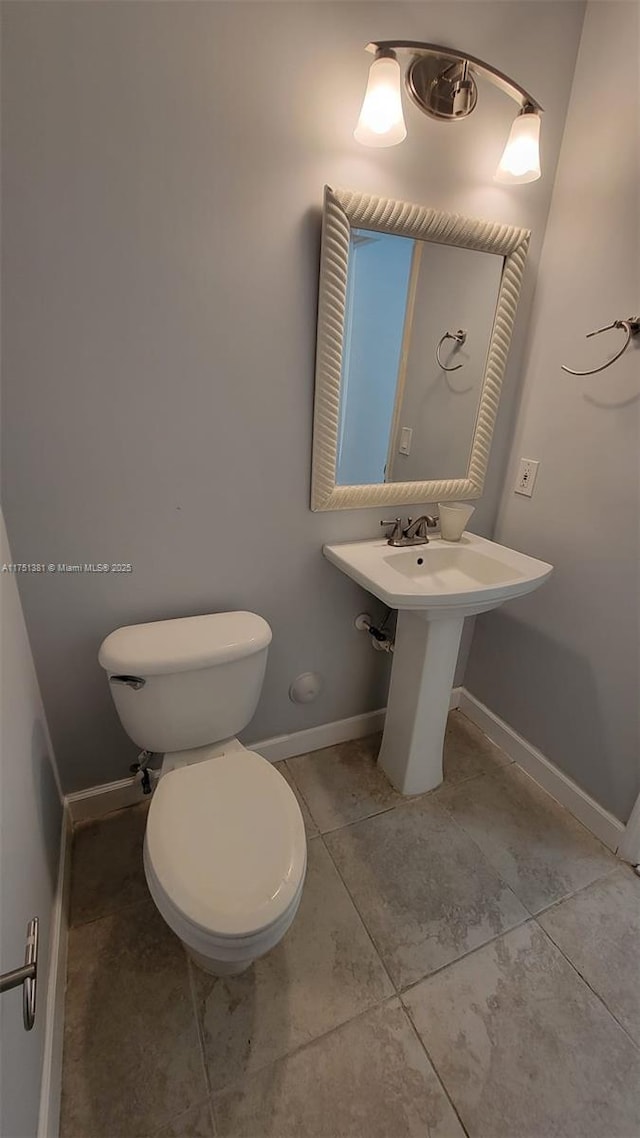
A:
(26, 975)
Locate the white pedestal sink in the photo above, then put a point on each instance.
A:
(435, 587)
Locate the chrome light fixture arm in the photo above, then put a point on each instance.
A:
(444, 57)
(441, 81)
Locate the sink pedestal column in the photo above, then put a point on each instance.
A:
(424, 664)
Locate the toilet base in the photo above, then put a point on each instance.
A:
(217, 967)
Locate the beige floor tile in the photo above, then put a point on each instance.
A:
(197, 1122)
(599, 930)
(342, 784)
(467, 752)
(423, 888)
(106, 868)
(323, 972)
(523, 1046)
(311, 830)
(132, 1059)
(369, 1079)
(534, 843)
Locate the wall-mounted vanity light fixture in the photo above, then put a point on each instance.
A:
(441, 82)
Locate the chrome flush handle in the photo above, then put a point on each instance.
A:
(135, 682)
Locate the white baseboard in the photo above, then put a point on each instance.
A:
(100, 800)
(328, 734)
(97, 801)
(51, 1083)
(601, 823)
(315, 738)
(629, 848)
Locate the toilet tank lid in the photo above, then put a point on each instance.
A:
(190, 642)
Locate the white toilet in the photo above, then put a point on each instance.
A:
(225, 850)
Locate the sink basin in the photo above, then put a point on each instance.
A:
(443, 577)
(435, 587)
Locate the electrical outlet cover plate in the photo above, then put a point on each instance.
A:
(526, 478)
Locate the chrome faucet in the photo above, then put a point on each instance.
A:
(397, 534)
(414, 533)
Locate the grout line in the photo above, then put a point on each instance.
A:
(343, 825)
(499, 872)
(398, 993)
(199, 1031)
(357, 821)
(587, 983)
(73, 925)
(240, 1083)
(565, 809)
(176, 1117)
(434, 1068)
(401, 989)
(295, 783)
(484, 857)
(212, 1117)
(365, 926)
(402, 992)
(575, 892)
(403, 804)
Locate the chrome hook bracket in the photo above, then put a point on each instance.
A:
(459, 337)
(630, 326)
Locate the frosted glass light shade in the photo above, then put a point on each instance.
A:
(520, 160)
(381, 121)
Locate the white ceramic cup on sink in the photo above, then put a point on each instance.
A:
(453, 519)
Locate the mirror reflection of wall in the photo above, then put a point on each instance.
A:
(402, 416)
(377, 288)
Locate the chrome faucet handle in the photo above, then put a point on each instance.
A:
(396, 533)
(419, 527)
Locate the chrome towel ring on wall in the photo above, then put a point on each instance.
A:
(459, 337)
(630, 326)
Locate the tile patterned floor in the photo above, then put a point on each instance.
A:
(462, 963)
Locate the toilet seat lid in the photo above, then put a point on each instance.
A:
(225, 841)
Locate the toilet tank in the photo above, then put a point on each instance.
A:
(185, 683)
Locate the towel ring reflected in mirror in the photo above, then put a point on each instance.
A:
(459, 337)
(630, 326)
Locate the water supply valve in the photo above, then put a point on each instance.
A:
(142, 768)
(380, 638)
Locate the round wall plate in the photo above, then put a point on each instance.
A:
(430, 81)
(305, 688)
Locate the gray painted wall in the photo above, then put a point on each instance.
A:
(30, 827)
(562, 666)
(162, 175)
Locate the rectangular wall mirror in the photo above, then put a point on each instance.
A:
(415, 315)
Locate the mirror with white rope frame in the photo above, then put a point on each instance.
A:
(416, 309)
